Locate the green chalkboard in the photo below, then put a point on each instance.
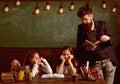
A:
(20, 28)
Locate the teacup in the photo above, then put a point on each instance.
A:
(21, 75)
(74, 77)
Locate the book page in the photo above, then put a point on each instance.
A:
(47, 76)
(55, 75)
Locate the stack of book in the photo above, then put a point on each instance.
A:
(7, 77)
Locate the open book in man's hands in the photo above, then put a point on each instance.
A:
(88, 43)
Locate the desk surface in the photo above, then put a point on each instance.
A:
(38, 80)
(63, 81)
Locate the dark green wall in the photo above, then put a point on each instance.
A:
(19, 28)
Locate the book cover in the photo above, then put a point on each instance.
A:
(88, 43)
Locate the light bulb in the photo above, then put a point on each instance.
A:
(17, 3)
(36, 11)
(47, 6)
(114, 9)
(60, 10)
(6, 8)
(103, 5)
(72, 6)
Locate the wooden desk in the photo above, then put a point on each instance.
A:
(66, 80)
(57, 81)
(62, 81)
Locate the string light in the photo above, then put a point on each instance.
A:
(47, 7)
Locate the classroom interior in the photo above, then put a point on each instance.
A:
(48, 29)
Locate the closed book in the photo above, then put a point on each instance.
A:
(7, 77)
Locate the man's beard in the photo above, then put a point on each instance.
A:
(89, 24)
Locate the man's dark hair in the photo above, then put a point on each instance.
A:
(84, 10)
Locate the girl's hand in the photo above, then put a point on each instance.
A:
(62, 58)
(70, 57)
(37, 60)
(42, 59)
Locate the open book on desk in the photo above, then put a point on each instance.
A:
(55, 75)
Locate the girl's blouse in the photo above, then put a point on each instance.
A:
(44, 67)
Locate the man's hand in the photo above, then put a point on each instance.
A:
(104, 38)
